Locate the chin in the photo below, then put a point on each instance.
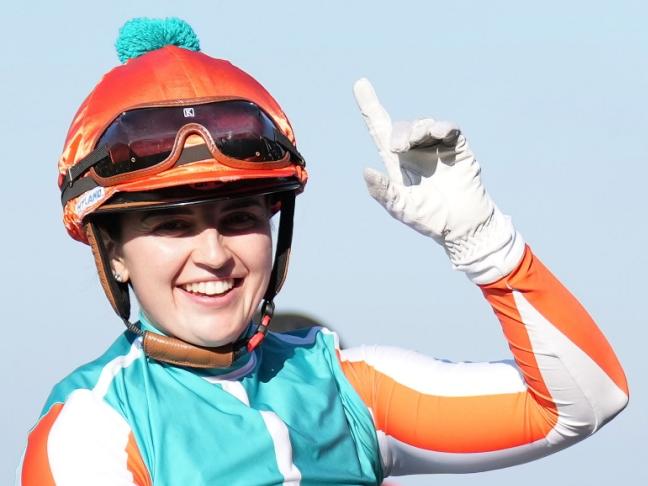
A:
(213, 340)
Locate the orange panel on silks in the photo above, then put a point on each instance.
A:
(36, 469)
(449, 423)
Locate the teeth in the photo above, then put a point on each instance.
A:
(209, 288)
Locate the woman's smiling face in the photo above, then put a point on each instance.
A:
(198, 272)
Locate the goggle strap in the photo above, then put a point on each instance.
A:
(80, 186)
(77, 188)
(77, 170)
(290, 147)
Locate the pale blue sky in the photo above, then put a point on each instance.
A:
(552, 96)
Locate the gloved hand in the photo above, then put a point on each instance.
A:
(433, 185)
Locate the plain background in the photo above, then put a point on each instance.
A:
(552, 96)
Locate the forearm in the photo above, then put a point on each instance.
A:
(563, 355)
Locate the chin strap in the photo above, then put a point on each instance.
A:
(173, 350)
(279, 269)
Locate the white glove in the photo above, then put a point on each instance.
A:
(433, 186)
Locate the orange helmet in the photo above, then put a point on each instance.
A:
(164, 77)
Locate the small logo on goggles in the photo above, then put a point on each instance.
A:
(189, 112)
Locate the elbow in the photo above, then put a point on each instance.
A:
(581, 418)
(610, 403)
(614, 407)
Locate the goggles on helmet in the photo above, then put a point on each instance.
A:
(146, 141)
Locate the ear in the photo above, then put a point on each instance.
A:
(115, 257)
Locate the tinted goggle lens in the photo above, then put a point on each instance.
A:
(142, 138)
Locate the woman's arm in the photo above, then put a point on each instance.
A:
(434, 416)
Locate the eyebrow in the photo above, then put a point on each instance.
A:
(242, 203)
(165, 212)
(186, 211)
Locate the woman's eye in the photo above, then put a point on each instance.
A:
(240, 221)
(171, 227)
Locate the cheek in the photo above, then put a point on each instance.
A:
(260, 254)
(150, 261)
(254, 252)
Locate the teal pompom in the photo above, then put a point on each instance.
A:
(141, 35)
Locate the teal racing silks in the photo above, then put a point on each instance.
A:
(284, 414)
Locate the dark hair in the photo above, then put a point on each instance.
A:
(110, 224)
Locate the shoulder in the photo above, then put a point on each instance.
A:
(306, 338)
(98, 373)
(302, 352)
(79, 432)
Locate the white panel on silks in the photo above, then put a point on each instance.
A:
(438, 377)
(276, 429)
(87, 443)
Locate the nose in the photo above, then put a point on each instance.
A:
(211, 250)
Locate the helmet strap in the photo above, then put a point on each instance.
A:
(116, 292)
(279, 269)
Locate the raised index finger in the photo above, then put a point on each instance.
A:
(379, 124)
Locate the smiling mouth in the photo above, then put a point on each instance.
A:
(209, 288)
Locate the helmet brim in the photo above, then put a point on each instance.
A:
(194, 194)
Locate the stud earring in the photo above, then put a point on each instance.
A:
(118, 277)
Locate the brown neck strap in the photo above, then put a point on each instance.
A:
(174, 351)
